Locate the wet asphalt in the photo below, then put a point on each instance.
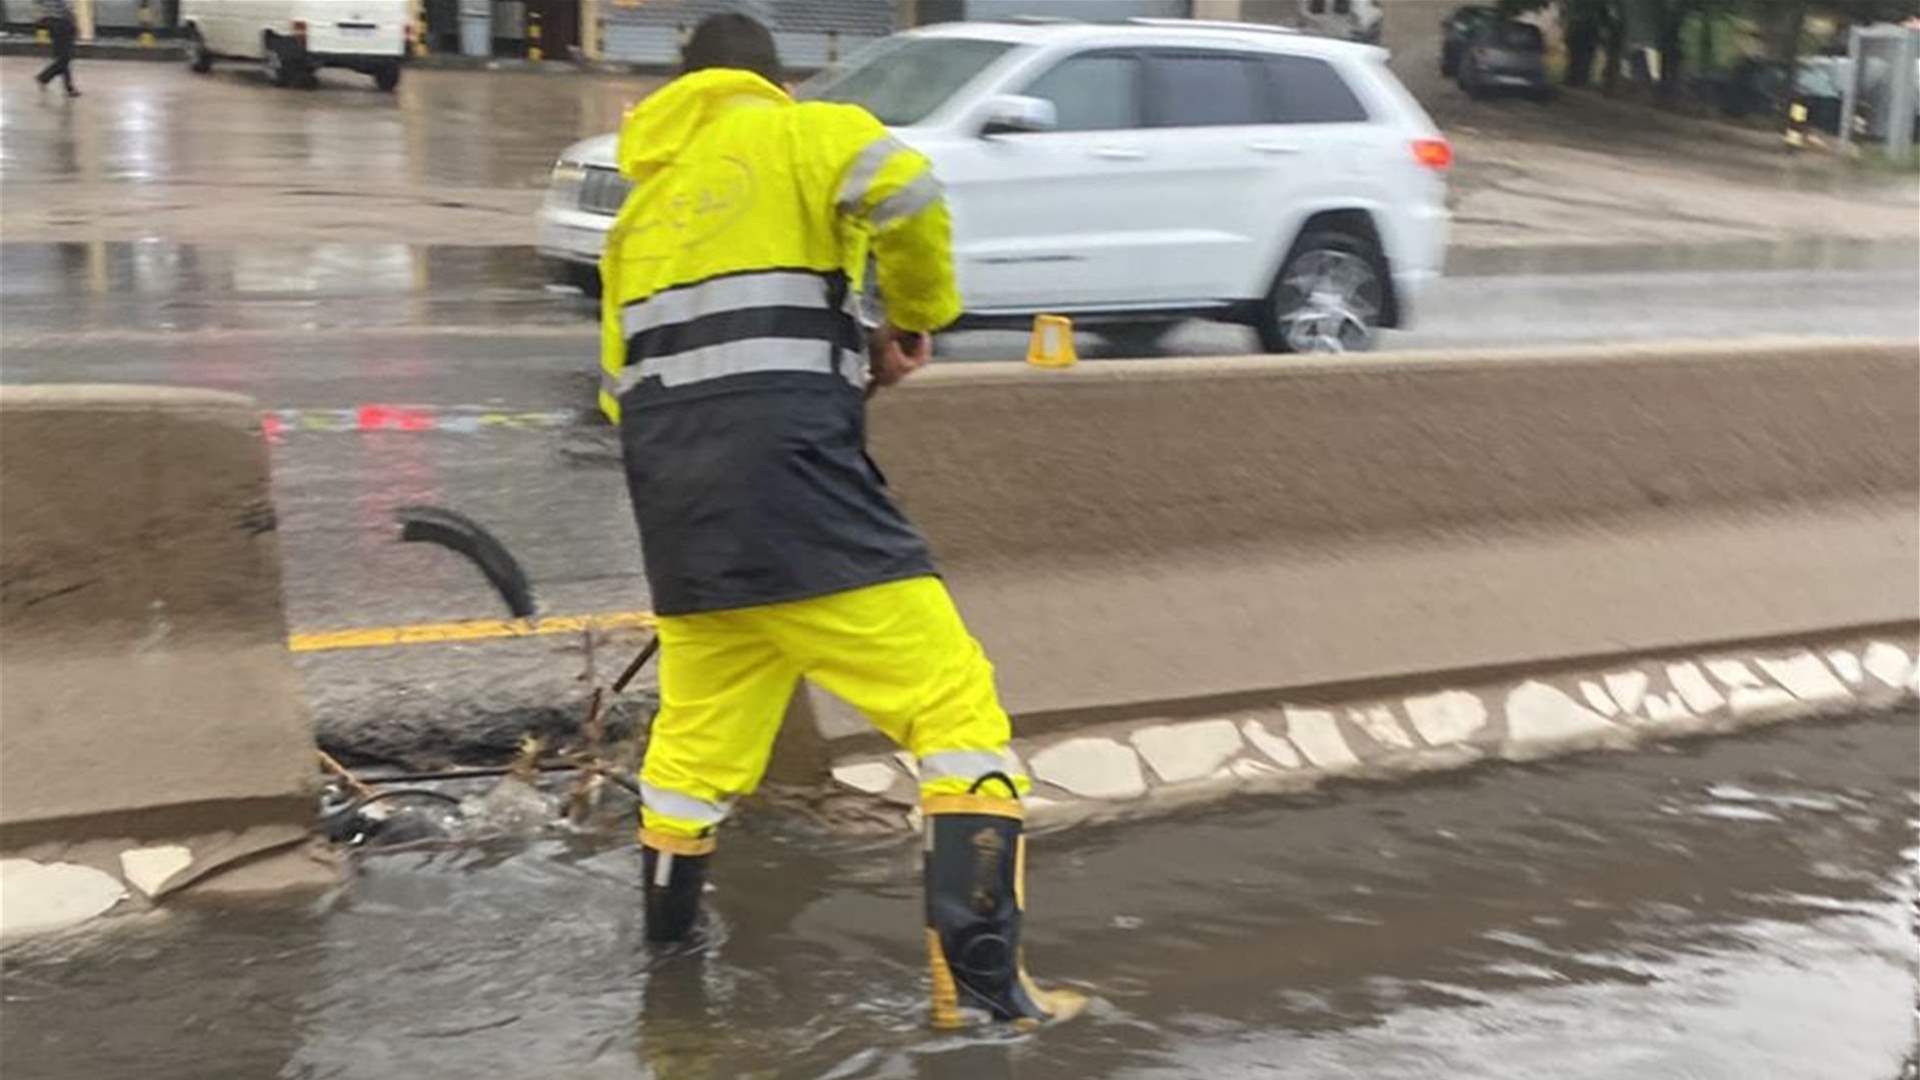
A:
(456, 376)
(1719, 910)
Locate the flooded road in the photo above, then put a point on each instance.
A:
(1730, 909)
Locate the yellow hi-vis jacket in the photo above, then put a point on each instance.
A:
(748, 230)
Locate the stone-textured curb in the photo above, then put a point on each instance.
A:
(1148, 766)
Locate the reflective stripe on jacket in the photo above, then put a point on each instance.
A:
(747, 231)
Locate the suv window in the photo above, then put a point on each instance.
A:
(1208, 89)
(904, 80)
(1309, 91)
(1093, 91)
(1518, 36)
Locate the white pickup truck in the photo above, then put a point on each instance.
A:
(296, 38)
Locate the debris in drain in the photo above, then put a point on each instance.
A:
(533, 793)
(356, 811)
(381, 818)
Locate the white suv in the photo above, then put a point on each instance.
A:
(1134, 175)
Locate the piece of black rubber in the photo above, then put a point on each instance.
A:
(454, 530)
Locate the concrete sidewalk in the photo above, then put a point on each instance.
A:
(170, 49)
(164, 49)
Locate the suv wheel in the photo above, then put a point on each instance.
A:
(386, 77)
(1328, 297)
(1470, 80)
(199, 57)
(282, 69)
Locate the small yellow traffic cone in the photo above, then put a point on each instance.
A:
(1796, 125)
(1052, 342)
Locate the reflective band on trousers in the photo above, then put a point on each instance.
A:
(684, 807)
(774, 288)
(742, 358)
(966, 764)
(865, 168)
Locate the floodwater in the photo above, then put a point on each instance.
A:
(1734, 908)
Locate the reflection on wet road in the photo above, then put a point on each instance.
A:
(60, 295)
(1728, 909)
(396, 374)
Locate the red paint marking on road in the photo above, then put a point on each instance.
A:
(394, 418)
(378, 418)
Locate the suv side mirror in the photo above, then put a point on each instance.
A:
(1012, 115)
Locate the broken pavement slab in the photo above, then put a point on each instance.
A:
(1189, 751)
(149, 869)
(1133, 768)
(36, 897)
(1091, 768)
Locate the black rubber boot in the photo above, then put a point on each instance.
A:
(975, 865)
(676, 874)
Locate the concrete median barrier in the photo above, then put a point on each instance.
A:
(1169, 541)
(150, 724)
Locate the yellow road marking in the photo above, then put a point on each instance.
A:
(376, 637)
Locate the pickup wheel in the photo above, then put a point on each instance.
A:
(283, 68)
(199, 57)
(386, 77)
(1327, 298)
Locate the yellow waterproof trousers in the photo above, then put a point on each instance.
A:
(898, 652)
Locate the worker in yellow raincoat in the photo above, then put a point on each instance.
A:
(736, 365)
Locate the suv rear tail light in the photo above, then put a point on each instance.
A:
(300, 29)
(1435, 154)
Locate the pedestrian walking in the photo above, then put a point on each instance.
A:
(57, 17)
(737, 368)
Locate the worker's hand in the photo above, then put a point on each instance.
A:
(893, 354)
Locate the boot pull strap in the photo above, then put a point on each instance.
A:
(1012, 790)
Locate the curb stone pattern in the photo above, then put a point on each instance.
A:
(1137, 768)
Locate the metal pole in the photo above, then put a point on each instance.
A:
(1900, 108)
(1850, 97)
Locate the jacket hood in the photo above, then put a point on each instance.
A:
(658, 128)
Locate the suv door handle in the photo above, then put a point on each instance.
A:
(1119, 153)
(1269, 146)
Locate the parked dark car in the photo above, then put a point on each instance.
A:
(1506, 57)
(1456, 28)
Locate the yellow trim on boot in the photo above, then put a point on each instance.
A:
(973, 804)
(945, 1012)
(1020, 873)
(676, 845)
(1059, 1004)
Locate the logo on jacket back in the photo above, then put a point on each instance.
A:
(690, 203)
